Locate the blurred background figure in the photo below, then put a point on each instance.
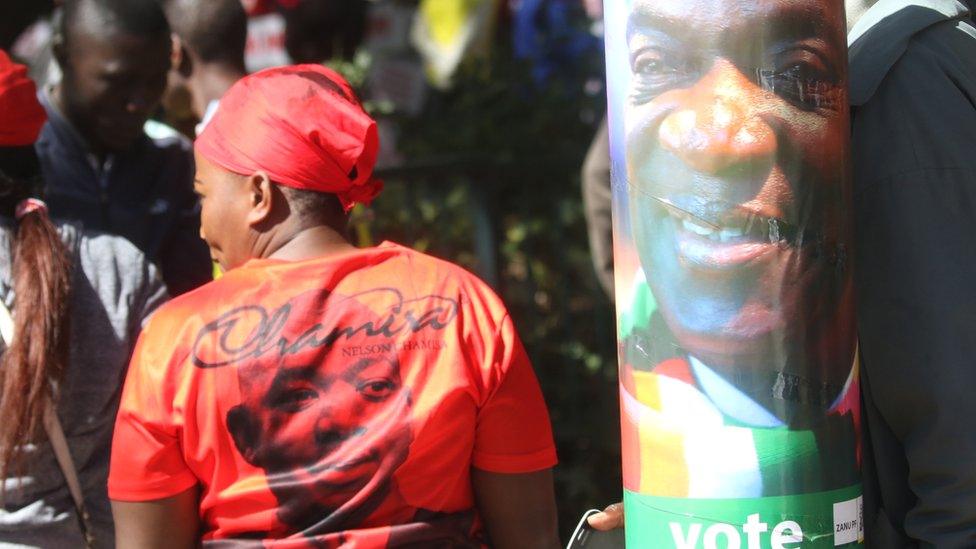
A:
(553, 36)
(208, 55)
(82, 299)
(597, 204)
(26, 31)
(596, 186)
(18, 17)
(100, 167)
(447, 33)
(323, 30)
(266, 33)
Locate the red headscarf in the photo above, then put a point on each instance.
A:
(303, 126)
(21, 115)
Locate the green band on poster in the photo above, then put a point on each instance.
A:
(814, 521)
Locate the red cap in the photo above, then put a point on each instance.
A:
(303, 126)
(21, 115)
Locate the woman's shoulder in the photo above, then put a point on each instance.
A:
(425, 270)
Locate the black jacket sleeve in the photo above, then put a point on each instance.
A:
(914, 147)
(183, 259)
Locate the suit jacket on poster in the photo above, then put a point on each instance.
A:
(690, 448)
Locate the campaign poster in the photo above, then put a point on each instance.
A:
(739, 400)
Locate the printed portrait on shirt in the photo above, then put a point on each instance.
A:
(327, 414)
(732, 135)
(329, 439)
(328, 427)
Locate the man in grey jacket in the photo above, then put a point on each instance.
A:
(913, 87)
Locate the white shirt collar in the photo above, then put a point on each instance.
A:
(730, 400)
(884, 8)
(207, 116)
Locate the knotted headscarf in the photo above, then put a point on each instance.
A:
(303, 126)
(21, 115)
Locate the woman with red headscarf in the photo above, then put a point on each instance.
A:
(318, 394)
(71, 304)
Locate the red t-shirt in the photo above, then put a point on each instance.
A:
(333, 401)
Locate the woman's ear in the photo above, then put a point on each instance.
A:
(262, 197)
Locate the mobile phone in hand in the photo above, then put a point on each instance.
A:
(585, 537)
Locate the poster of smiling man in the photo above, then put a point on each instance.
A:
(738, 371)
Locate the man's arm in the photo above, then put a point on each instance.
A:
(916, 319)
(915, 210)
(519, 510)
(171, 523)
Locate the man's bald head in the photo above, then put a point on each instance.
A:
(214, 31)
(131, 17)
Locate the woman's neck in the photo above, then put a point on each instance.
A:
(309, 243)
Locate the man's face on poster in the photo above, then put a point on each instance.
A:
(329, 431)
(736, 139)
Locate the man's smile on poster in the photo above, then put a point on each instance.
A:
(735, 134)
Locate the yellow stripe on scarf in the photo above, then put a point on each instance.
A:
(663, 468)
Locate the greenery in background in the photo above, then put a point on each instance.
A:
(497, 147)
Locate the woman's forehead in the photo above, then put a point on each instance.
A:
(209, 173)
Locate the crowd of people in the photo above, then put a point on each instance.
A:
(373, 393)
(195, 353)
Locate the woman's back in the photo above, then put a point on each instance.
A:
(113, 290)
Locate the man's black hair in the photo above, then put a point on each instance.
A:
(135, 17)
(215, 30)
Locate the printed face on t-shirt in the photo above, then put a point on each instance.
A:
(329, 431)
(735, 147)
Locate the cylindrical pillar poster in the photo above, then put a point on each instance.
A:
(738, 379)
